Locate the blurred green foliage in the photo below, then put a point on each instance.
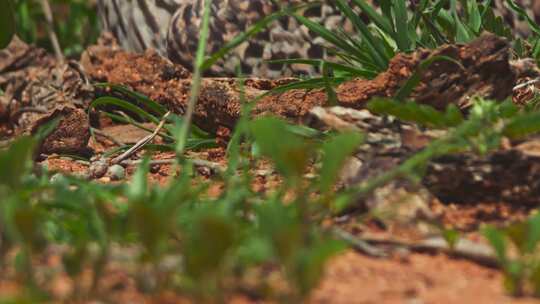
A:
(7, 24)
(75, 22)
(220, 239)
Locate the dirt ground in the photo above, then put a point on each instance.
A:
(407, 276)
(352, 277)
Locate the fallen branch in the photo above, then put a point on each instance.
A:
(370, 245)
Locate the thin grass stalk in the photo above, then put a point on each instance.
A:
(196, 80)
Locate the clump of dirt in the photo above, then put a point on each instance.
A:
(39, 89)
(71, 134)
(481, 68)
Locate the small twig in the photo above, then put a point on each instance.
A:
(359, 244)
(527, 83)
(141, 143)
(23, 110)
(45, 6)
(463, 249)
(197, 162)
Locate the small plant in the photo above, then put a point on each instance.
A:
(428, 24)
(516, 248)
(128, 107)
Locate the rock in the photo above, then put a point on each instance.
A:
(116, 172)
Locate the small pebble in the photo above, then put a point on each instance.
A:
(116, 172)
(56, 178)
(104, 179)
(98, 168)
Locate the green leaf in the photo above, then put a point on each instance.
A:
(280, 225)
(331, 95)
(534, 279)
(463, 34)
(16, 161)
(289, 151)
(475, 19)
(309, 266)
(513, 277)
(496, 238)
(208, 241)
(336, 150)
(401, 20)
(377, 53)
(517, 233)
(522, 126)
(7, 23)
(140, 98)
(308, 84)
(124, 105)
(138, 188)
(451, 236)
(378, 19)
(418, 113)
(533, 233)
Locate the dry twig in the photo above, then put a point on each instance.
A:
(141, 143)
(46, 7)
(464, 248)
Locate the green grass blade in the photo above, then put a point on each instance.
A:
(383, 23)
(386, 8)
(308, 84)
(327, 77)
(376, 51)
(523, 126)
(474, 16)
(402, 30)
(184, 131)
(141, 98)
(129, 120)
(326, 34)
(124, 105)
(357, 72)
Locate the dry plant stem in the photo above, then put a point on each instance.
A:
(522, 85)
(197, 162)
(141, 143)
(464, 249)
(46, 7)
(359, 244)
